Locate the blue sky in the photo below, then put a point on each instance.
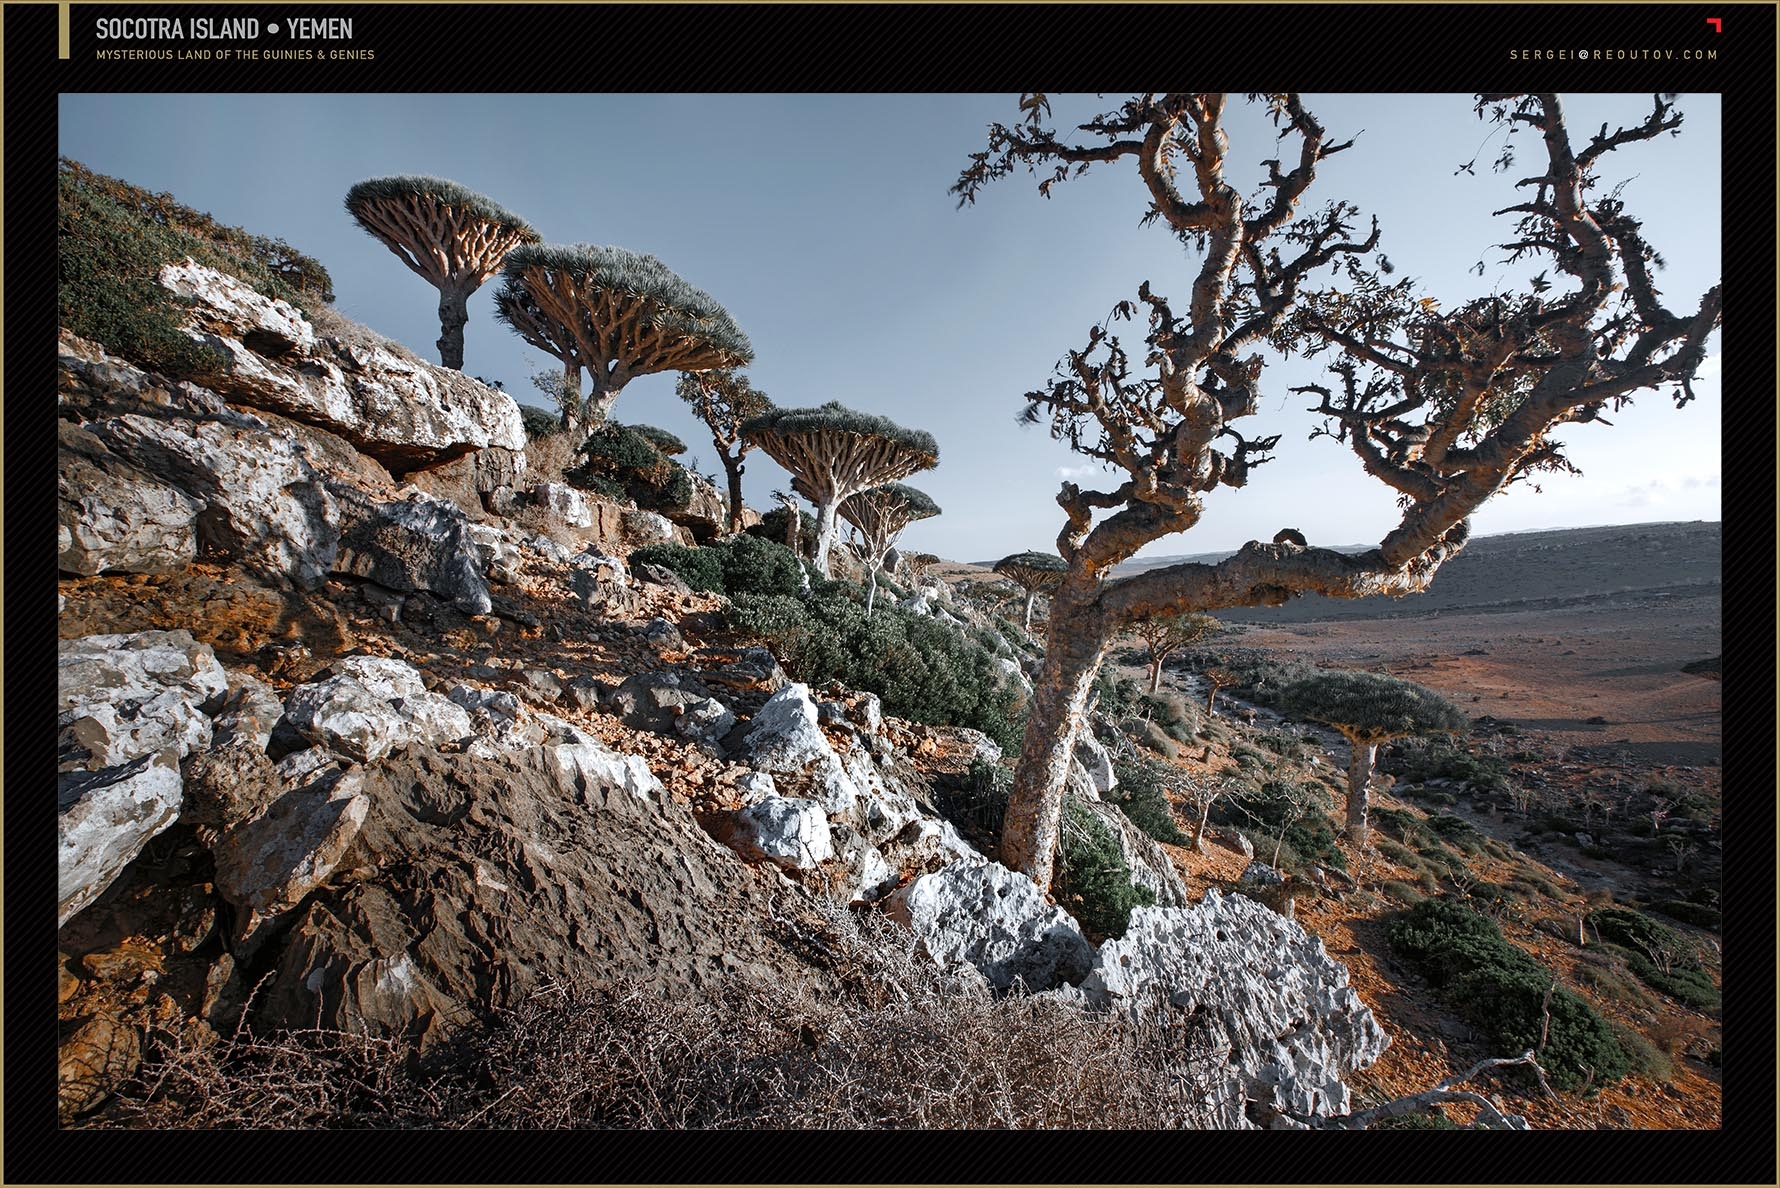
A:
(823, 224)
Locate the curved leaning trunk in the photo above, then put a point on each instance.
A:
(1035, 803)
(1359, 780)
(454, 315)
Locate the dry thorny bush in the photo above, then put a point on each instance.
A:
(902, 1045)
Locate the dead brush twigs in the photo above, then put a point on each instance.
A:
(878, 1038)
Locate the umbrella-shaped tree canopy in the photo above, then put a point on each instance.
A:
(1369, 708)
(617, 313)
(1033, 573)
(880, 514)
(834, 452)
(448, 233)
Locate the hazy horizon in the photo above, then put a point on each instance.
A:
(824, 226)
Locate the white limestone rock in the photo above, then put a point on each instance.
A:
(122, 696)
(1294, 1024)
(790, 832)
(985, 915)
(103, 820)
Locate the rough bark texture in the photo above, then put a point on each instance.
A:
(454, 315)
(1359, 783)
(1034, 816)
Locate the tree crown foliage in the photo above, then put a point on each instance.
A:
(722, 398)
(442, 191)
(908, 502)
(663, 441)
(1371, 706)
(1029, 569)
(684, 309)
(834, 417)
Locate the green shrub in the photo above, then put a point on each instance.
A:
(622, 455)
(1646, 1059)
(1152, 736)
(772, 527)
(702, 569)
(1262, 812)
(978, 802)
(1142, 796)
(1697, 914)
(1173, 714)
(1501, 990)
(539, 422)
(1402, 892)
(752, 565)
(922, 669)
(1093, 882)
(1433, 1120)
(1417, 760)
(113, 239)
(1460, 832)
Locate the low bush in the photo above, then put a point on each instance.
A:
(923, 669)
(1402, 892)
(1173, 714)
(1502, 991)
(1152, 736)
(1262, 814)
(623, 456)
(1460, 832)
(700, 568)
(773, 524)
(1417, 760)
(1697, 914)
(1141, 794)
(114, 238)
(539, 422)
(1093, 881)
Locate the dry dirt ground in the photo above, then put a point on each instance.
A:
(1578, 640)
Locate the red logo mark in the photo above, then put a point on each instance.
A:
(1717, 24)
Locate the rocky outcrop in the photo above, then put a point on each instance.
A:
(124, 696)
(416, 543)
(405, 413)
(372, 706)
(112, 517)
(262, 500)
(103, 820)
(264, 867)
(495, 877)
(1294, 1025)
(984, 915)
(706, 514)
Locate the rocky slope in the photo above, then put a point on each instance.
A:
(362, 729)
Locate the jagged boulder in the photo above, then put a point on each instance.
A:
(1096, 764)
(112, 517)
(647, 528)
(1294, 1024)
(263, 501)
(264, 867)
(104, 818)
(785, 741)
(417, 543)
(501, 550)
(478, 881)
(984, 915)
(788, 831)
(122, 696)
(563, 504)
(406, 413)
(372, 706)
(706, 515)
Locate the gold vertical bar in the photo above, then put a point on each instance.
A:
(62, 29)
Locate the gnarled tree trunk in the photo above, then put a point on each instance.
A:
(1073, 652)
(825, 531)
(732, 468)
(454, 315)
(1359, 781)
(571, 399)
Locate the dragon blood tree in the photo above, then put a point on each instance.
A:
(879, 516)
(1446, 408)
(1034, 573)
(1369, 708)
(615, 314)
(1167, 633)
(723, 398)
(452, 236)
(833, 453)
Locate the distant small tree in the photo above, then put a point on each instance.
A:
(920, 563)
(723, 398)
(452, 236)
(834, 452)
(1369, 708)
(1170, 631)
(1216, 676)
(1033, 573)
(879, 515)
(616, 314)
(1203, 792)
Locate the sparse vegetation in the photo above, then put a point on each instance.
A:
(1506, 994)
(1094, 883)
(114, 238)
